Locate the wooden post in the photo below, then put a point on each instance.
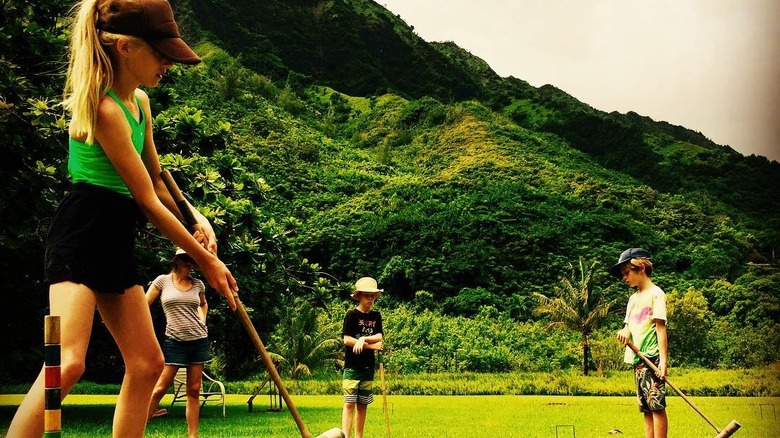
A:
(53, 377)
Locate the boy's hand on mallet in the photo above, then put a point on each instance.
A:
(624, 336)
(662, 367)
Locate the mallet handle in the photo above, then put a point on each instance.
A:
(269, 365)
(178, 198)
(671, 385)
(383, 387)
(184, 209)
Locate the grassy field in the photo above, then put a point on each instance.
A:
(757, 382)
(436, 417)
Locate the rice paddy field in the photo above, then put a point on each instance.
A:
(532, 416)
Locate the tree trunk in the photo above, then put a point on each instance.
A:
(585, 353)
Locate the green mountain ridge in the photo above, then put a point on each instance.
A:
(381, 49)
(329, 41)
(359, 48)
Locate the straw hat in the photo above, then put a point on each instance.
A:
(366, 285)
(180, 253)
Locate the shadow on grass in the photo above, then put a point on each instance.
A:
(75, 417)
(92, 420)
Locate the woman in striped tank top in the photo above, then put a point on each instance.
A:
(186, 336)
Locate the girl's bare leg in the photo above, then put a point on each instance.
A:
(75, 305)
(128, 319)
(194, 382)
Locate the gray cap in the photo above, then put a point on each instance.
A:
(626, 256)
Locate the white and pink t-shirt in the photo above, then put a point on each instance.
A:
(641, 314)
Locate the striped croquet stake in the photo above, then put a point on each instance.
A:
(51, 356)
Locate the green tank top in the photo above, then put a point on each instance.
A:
(89, 163)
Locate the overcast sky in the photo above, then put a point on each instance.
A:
(709, 65)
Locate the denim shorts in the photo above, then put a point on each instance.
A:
(183, 353)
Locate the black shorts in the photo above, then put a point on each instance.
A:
(91, 240)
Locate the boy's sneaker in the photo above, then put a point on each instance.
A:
(159, 412)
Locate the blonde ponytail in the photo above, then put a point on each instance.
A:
(90, 73)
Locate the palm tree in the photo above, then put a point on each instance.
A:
(305, 340)
(576, 305)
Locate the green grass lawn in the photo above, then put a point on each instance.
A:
(436, 417)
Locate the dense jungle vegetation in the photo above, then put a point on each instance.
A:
(326, 141)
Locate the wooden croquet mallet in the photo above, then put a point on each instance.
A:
(189, 220)
(726, 432)
(384, 392)
(52, 418)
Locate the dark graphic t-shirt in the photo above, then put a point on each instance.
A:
(357, 324)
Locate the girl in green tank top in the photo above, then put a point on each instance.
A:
(116, 46)
(88, 163)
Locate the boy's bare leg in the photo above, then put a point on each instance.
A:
(649, 427)
(75, 305)
(660, 424)
(128, 319)
(346, 418)
(360, 421)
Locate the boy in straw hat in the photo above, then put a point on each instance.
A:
(362, 331)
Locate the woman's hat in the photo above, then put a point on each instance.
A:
(180, 253)
(151, 20)
(625, 257)
(366, 285)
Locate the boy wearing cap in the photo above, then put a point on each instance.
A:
(362, 332)
(645, 327)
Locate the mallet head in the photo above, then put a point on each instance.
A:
(729, 430)
(332, 433)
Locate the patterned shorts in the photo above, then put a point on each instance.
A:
(650, 390)
(358, 386)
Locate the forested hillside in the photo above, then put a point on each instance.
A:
(359, 48)
(326, 141)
